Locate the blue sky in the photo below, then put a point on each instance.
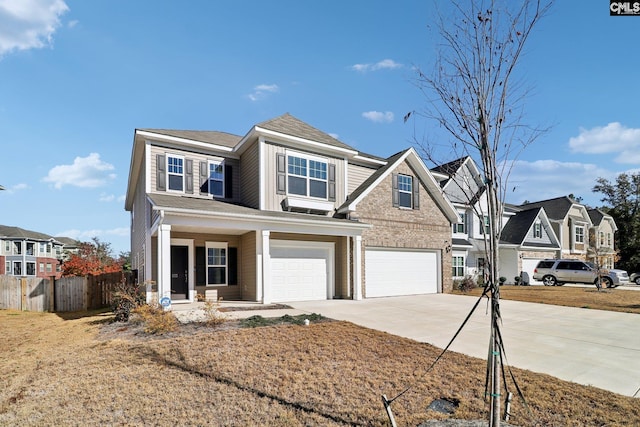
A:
(77, 77)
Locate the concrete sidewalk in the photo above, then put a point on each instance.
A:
(591, 347)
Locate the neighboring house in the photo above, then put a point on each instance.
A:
(29, 253)
(283, 213)
(527, 237)
(462, 183)
(570, 221)
(70, 247)
(601, 239)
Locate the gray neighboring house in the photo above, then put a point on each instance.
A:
(29, 253)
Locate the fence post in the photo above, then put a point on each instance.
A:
(23, 293)
(52, 295)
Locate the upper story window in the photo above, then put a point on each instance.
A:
(306, 177)
(31, 248)
(42, 247)
(175, 173)
(7, 247)
(460, 228)
(405, 191)
(537, 230)
(484, 225)
(579, 234)
(609, 240)
(216, 179)
(601, 236)
(17, 248)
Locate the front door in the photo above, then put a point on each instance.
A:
(179, 272)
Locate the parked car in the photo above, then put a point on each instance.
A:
(557, 272)
(635, 278)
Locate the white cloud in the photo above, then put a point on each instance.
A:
(546, 179)
(29, 24)
(378, 116)
(261, 91)
(15, 188)
(85, 172)
(104, 197)
(612, 138)
(385, 64)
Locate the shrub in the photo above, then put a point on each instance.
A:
(126, 297)
(517, 280)
(156, 320)
(502, 279)
(466, 284)
(213, 316)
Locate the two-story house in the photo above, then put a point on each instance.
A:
(29, 253)
(284, 213)
(526, 234)
(601, 239)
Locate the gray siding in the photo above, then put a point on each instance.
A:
(249, 177)
(248, 264)
(462, 180)
(356, 175)
(545, 236)
(273, 200)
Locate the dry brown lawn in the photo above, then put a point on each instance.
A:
(82, 370)
(625, 301)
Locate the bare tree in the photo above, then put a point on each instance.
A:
(473, 93)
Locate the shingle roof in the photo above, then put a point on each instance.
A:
(21, 233)
(212, 137)
(216, 206)
(517, 227)
(556, 209)
(290, 125)
(451, 167)
(596, 216)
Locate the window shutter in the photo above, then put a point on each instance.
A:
(332, 183)
(188, 175)
(232, 265)
(281, 174)
(228, 181)
(415, 184)
(204, 178)
(161, 175)
(395, 197)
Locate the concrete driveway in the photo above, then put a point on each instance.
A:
(591, 347)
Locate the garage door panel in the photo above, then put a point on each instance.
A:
(300, 273)
(528, 265)
(400, 272)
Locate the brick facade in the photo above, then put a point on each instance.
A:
(424, 228)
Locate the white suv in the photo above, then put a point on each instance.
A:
(557, 272)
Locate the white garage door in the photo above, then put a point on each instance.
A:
(391, 272)
(528, 265)
(301, 271)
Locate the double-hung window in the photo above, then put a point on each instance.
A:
(537, 230)
(31, 268)
(405, 191)
(17, 248)
(216, 179)
(579, 233)
(457, 264)
(216, 263)
(175, 173)
(306, 177)
(17, 268)
(484, 225)
(459, 227)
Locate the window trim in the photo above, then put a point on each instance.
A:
(221, 164)
(409, 183)
(217, 245)
(537, 230)
(169, 156)
(455, 266)
(307, 177)
(460, 225)
(579, 235)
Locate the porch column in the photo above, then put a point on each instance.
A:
(266, 268)
(357, 268)
(164, 261)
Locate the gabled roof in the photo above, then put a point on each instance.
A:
(425, 176)
(289, 125)
(20, 233)
(597, 216)
(451, 169)
(516, 229)
(556, 209)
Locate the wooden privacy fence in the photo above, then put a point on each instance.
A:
(65, 294)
